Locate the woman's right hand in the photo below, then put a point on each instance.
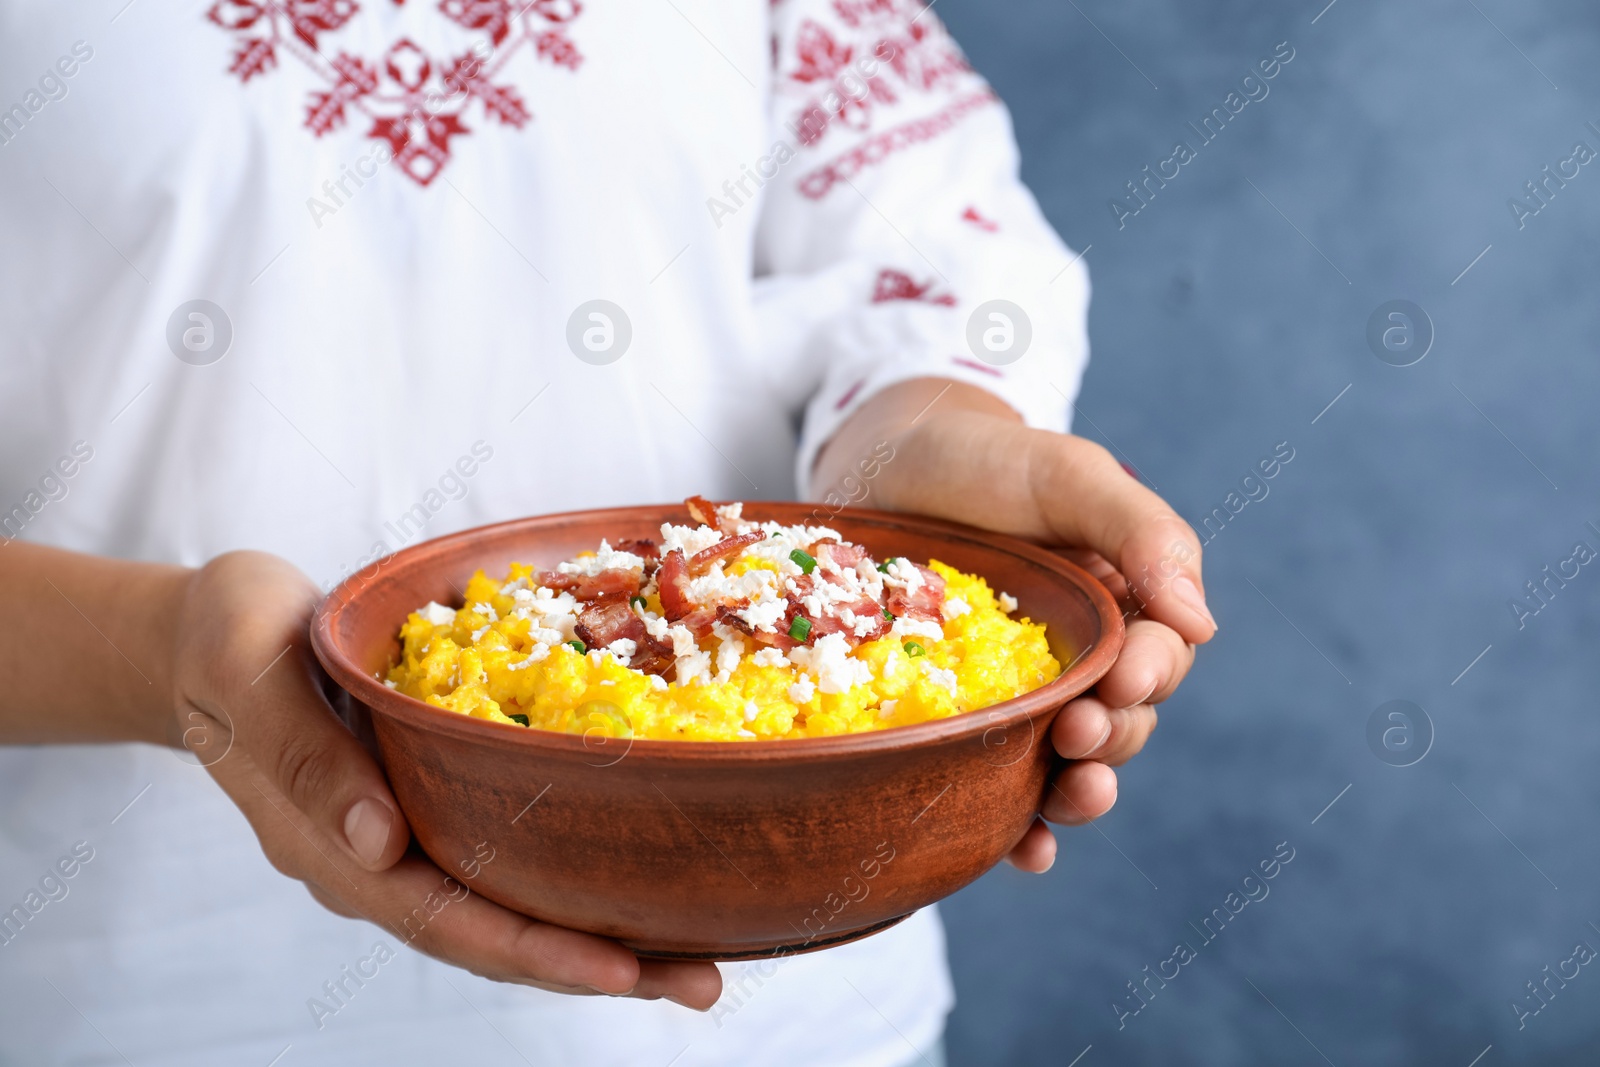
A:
(249, 701)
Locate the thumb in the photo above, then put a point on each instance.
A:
(295, 739)
(1086, 499)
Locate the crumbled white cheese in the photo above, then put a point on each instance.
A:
(903, 574)
(732, 514)
(940, 676)
(687, 539)
(657, 682)
(766, 612)
(437, 614)
(536, 654)
(955, 607)
(864, 625)
(682, 638)
(1008, 603)
(716, 586)
(904, 628)
(694, 667)
(390, 683)
(728, 652)
(803, 690)
(829, 661)
(751, 711)
(770, 657)
(746, 733)
(479, 632)
(487, 611)
(623, 649)
(607, 559)
(886, 709)
(510, 588)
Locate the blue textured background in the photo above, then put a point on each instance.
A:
(1393, 542)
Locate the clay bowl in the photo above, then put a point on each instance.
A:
(713, 850)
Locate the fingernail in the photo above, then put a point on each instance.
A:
(1189, 593)
(1105, 735)
(682, 1003)
(366, 827)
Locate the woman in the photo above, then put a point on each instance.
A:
(293, 283)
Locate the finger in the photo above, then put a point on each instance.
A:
(1103, 572)
(690, 984)
(1088, 730)
(293, 737)
(1036, 852)
(441, 916)
(498, 943)
(1088, 500)
(1079, 793)
(1154, 659)
(331, 902)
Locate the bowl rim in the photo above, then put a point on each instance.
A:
(1088, 668)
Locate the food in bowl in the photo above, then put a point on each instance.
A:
(726, 629)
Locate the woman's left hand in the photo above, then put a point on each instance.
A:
(961, 454)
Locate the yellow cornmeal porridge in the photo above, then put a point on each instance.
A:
(776, 632)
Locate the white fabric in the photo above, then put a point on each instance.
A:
(400, 333)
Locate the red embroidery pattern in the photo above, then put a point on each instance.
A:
(876, 148)
(896, 285)
(975, 365)
(849, 395)
(987, 225)
(879, 55)
(415, 101)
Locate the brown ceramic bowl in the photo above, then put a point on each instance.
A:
(716, 850)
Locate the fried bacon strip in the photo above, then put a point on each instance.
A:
(701, 561)
(592, 586)
(926, 603)
(704, 512)
(672, 581)
(842, 556)
(643, 547)
(612, 618)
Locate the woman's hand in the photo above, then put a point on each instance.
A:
(961, 454)
(250, 704)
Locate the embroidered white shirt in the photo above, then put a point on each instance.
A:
(399, 214)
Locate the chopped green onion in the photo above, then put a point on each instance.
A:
(577, 646)
(888, 614)
(883, 568)
(800, 629)
(638, 601)
(804, 560)
(518, 718)
(913, 649)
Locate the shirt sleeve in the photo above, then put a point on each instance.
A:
(896, 239)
